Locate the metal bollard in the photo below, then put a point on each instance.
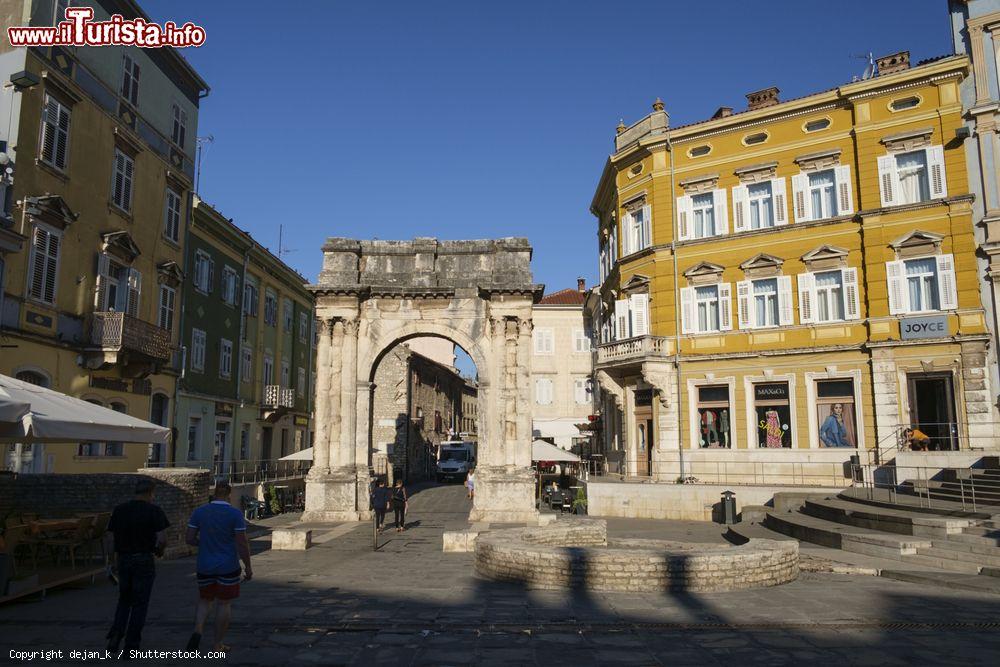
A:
(729, 507)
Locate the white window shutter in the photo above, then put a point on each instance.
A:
(947, 290)
(647, 226)
(743, 304)
(887, 179)
(639, 307)
(845, 197)
(786, 314)
(780, 201)
(684, 217)
(134, 291)
(721, 211)
(100, 287)
(538, 341)
(741, 208)
(894, 272)
(935, 165)
(807, 293)
(725, 307)
(614, 245)
(211, 276)
(626, 234)
(621, 319)
(852, 299)
(803, 203)
(687, 310)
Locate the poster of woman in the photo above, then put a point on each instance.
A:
(836, 425)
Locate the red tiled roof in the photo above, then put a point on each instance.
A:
(564, 297)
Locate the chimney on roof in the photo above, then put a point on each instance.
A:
(621, 126)
(657, 104)
(763, 98)
(896, 62)
(722, 112)
(581, 285)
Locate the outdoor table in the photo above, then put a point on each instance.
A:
(45, 526)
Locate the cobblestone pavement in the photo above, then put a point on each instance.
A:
(411, 604)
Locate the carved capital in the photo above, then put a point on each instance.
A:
(497, 325)
(524, 326)
(350, 327)
(325, 327)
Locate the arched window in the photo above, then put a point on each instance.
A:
(34, 377)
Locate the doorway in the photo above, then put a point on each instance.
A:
(932, 408)
(219, 450)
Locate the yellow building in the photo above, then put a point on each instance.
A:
(100, 146)
(813, 261)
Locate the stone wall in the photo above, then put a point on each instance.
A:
(577, 554)
(178, 491)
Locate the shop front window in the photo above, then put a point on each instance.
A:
(773, 413)
(835, 413)
(714, 417)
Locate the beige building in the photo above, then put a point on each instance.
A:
(561, 368)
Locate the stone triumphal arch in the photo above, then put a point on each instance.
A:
(373, 294)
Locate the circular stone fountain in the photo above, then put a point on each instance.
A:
(577, 554)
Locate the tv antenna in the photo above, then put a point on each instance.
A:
(282, 250)
(871, 70)
(201, 142)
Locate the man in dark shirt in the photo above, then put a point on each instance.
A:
(380, 502)
(139, 529)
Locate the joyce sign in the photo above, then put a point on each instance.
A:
(923, 327)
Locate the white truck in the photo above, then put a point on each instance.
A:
(455, 460)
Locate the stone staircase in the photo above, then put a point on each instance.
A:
(895, 528)
(972, 486)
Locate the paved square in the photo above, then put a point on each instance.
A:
(411, 604)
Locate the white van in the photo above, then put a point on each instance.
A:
(455, 459)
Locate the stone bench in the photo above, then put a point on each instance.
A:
(291, 539)
(577, 554)
(460, 541)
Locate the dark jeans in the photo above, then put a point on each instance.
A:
(135, 584)
(380, 516)
(399, 513)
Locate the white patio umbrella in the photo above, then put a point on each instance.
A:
(54, 417)
(546, 451)
(301, 455)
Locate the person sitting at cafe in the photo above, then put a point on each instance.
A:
(916, 440)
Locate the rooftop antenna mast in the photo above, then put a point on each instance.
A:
(871, 70)
(282, 250)
(201, 142)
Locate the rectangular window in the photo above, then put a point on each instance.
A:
(581, 342)
(707, 305)
(178, 133)
(913, 176)
(204, 272)
(300, 384)
(303, 327)
(286, 306)
(835, 413)
(55, 134)
(194, 437)
(121, 188)
(230, 285)
(773, 415)
(44, 271)
(702, 216)
(582, 391)
(267, 372)
(637, 230)
(225, 358)
(270, 308)
(544, 342)
(765, 302)
(761, 205)
(286, 374)
(172, 215)
(197, 350)
(130, 80)
(250, 298)
(822, 194)
(246, 365)
(543, 391)
(829, 296)
(166, 310)
(714, 416)
(922, 284)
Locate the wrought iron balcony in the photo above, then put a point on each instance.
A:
(119, 332)
(633, 349)
(276, 396)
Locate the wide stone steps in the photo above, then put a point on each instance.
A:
(892, 520)
(932, 558)
(980, 556)
(848, 538)
(911, 503)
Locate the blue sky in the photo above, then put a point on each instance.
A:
(482, 119)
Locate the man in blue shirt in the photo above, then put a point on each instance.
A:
(220, 533)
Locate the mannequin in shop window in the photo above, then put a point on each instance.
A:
(724, 427)
(709, 430)
(774, 431)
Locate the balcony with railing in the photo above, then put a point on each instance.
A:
(277, 401)
(633, 350)
(122, 339)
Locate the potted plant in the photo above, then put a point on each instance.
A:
(580, 502)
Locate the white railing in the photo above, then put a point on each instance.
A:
(633, 348)
(278, 396)
(729, 472)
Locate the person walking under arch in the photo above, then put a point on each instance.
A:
(400, 501)
(470, 483)
(381, 496)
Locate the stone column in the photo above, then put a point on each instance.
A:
(669, 440)
(333, 397)
(977, 396)
(321, 442)
(522, 390)
(979, 65)
(348, 394)
(885, 387)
